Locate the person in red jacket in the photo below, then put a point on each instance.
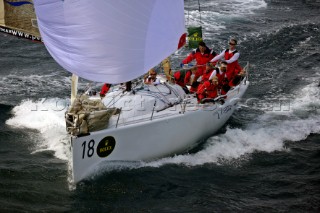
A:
(183, 78)
(188, 79)
(207, 73)
(231, 56)
(220, 73)
(179, 79)
(202, 55)
(105, 88)
(208, 89)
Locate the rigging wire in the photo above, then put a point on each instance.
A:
(188, 17)
(188, 12)
(199, 11)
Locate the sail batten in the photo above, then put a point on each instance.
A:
(110, 41)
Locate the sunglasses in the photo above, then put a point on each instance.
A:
(232, 44)
(153, 74)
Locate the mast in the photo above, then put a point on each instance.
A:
(74, 87)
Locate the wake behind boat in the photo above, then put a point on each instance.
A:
(129, 38)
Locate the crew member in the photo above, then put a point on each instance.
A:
(208, 90)
(202, 55)
(220, 73)
(231, 56)
(152, 78)
(104, 90)
(179, 78)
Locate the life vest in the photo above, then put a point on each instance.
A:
(233, 68)
(187, 78)
(223, 83)
(179, 77)
(228, 55)
(201, 59)
(220, 75)
(206, 75)
(207, 90)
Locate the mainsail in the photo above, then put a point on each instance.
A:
(111, 41)
(18, 18)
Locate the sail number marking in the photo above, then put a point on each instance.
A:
(90, 150)
(104, 148)
(225, 110)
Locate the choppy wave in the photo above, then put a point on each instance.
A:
(22, 82)
(47, 117)
(268, 133)
(215, 14)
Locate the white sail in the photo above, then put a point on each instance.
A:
(110, 41)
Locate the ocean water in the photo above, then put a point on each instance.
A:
(265, 159)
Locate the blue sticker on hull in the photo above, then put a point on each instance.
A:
(17, 3)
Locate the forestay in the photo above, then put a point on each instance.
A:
(110, 41)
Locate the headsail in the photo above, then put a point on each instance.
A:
(18, 18)
(110, 41)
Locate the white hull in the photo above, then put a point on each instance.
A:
(172, 132)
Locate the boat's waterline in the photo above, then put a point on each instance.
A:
(151, 139)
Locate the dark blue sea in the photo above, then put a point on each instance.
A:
(265, 159)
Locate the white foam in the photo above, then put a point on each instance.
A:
(305, 46)
(245, 7)
(209, 20)
(268, 133)
(308, 98)
(220, 13)
(47, 117)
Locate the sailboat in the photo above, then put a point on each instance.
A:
(116, 42)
